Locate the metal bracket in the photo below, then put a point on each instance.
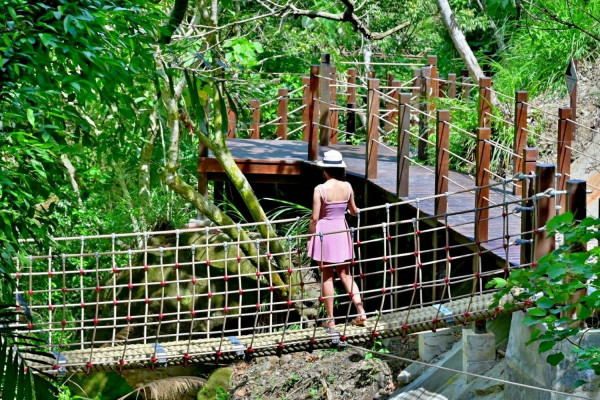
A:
(334, 335)
(240, 349)
(161, 354)
(446, 312)
(61, 361)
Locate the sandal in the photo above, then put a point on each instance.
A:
(328, 323)
(358, 321)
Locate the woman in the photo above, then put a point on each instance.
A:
(330, 201)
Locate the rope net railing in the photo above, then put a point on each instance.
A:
(118, 301)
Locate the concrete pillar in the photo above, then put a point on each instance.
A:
(479, 352)
(434, 344)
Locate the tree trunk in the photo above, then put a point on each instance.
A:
(460, 43)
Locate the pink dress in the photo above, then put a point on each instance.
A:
(337, 247)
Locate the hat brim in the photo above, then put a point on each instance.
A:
(341, 164)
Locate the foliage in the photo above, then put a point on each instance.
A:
(540, 48)
(17, 379)
(378, 348)
(567, 271)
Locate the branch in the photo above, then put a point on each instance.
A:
(556, 19)
(175, 18)
(282, 11)
(348, 15)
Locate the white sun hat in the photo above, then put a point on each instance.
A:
(332, 159)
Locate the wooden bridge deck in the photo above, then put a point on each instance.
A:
(287, 159)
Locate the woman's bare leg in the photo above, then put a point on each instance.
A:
(351, 287)
(328, 293)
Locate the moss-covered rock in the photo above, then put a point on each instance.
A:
(219, 379)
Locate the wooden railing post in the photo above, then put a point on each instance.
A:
(520, 138)
(372, 128)
(465, 89)
(350, 122)
(451, 86)
(566, 130)
(424, 98)
(482, 193)
(443, 90)
(306, 96)
(313, 132)
(545, 178)
(282, 113)
(324, 99)
(485, 102)
(231, 123)
(390, 119)
(435, 76)
(530, 155)
(403, 169)
(255, 124)
(371, 74)
(417, 82)
(351, 86)
(442, 169)
(333, 112)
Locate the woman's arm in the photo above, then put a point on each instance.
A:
(316, 211)
(351, 204)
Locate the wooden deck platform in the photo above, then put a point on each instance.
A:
(283, 160)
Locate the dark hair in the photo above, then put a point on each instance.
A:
(336, 173)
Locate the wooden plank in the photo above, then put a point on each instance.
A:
(252, 166)
(421, 185)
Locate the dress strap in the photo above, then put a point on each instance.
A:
(322, 193)
(349, 190)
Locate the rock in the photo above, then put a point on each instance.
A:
(403, 378)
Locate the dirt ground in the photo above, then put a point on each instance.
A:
(344, 373)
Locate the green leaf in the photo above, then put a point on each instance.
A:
(546, 346)
(536, 312)
(565, 218)
(30, 117)
(545, 302)
(496, 283)
(555, 359)
(579, 383)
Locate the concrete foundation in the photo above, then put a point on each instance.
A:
(525, 365)
(434, 344)
(479, 352)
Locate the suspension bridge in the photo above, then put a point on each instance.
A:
(421, 260)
